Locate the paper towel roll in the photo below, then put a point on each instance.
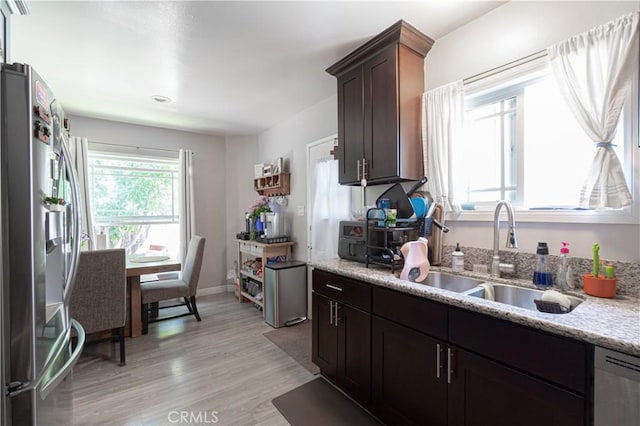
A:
(101, 241)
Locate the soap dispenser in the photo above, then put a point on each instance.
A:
(457, 259)
(542, 277)
(564, 278)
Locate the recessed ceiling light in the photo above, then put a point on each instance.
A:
(161, 99)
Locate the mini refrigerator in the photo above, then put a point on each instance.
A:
(285, 293)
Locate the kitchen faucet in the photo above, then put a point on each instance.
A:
(512, 242)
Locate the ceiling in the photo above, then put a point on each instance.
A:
(230, 68)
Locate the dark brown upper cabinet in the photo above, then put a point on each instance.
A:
(379, 89)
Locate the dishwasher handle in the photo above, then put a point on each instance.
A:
(617, 363)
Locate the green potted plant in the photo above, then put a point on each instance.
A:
(260, 205)
(55, 204)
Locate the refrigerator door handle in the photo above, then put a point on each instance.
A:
(68, 365)
(77, 231)
(17, 387)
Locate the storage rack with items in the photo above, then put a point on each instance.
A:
(273, 185)
(386, 236)
(252, 258)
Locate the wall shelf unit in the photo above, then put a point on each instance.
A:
(273, 185)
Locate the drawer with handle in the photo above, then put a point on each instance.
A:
(251, 248)
(346, 290)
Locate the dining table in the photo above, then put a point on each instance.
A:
(136, 267)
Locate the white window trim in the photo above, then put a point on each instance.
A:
(106, 151)
(627, 215)
(519, 186)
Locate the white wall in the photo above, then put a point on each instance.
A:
(512, 31)
(209, 175)
(289, 139)
(507, 33)
(241, 155)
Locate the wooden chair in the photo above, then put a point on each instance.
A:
(99, 298)
(183, 287)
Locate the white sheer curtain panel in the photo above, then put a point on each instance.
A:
(187, 216)
(79, 149)
(331, 204)
(442, 118)
(593, 71)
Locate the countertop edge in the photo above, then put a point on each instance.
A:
(611, 323)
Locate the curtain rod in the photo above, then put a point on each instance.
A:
(505, 67)
(135, 147)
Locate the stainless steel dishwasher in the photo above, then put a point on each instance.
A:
(617, 389)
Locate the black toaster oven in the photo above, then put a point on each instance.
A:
(352, 241)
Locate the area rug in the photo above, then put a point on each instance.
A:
(319, 403)
(295, 341)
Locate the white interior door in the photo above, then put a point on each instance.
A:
(315, 151)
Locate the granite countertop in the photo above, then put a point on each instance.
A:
(611, 323)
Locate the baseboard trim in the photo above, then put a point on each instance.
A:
(207, 291)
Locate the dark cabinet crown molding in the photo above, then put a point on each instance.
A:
(400, 32)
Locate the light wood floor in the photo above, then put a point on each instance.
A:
(221, 364)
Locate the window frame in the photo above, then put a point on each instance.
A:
(137, 220)
(508, 75)
(502, 95)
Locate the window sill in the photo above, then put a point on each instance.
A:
(611, 217)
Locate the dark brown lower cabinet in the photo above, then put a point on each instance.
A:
(325, 336)
(483, 392)
(409, 384)
(420, 380)
(342, 346)
(413, 361)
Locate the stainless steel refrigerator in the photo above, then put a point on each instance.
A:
(40, 237)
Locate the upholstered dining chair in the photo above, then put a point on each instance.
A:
(182, 288)
(99, 298)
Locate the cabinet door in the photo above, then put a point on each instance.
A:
(354, 352)
(408, 384)
(381, 115)
(483, 392)
(350, 125)
(325, 336)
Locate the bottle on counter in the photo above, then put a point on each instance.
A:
(542, 277)
(384, 204)
(457, 259)
(564, 278)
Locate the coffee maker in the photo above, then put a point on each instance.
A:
(246, 234)
(273, 224)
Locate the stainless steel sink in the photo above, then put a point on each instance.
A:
(517, 296)
(455, 283)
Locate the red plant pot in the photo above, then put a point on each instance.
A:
(599, 286)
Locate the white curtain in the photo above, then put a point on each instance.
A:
(442, 117)
(594, 71)
(331, 204)
(187, 216)
(79, 149)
